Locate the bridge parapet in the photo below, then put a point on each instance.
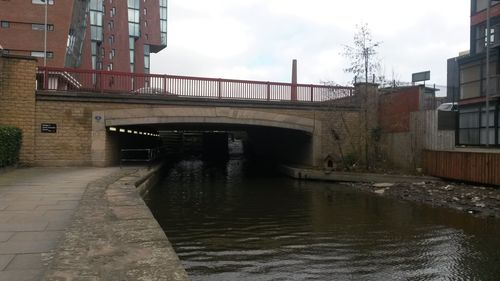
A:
(67, 79)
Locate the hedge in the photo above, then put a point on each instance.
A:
(10, 143)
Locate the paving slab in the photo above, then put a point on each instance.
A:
(36, 207)
(20, 275)
(4, 236)
(37, 236)
(26, 261)
(5, 260)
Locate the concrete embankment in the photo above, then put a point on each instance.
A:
(476, 200)
(114, 236)
(323, 175)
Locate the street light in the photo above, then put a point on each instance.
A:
(488, 44)
(45, 34)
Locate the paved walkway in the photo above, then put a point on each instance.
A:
(36, 206)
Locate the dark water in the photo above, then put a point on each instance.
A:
(236, 222)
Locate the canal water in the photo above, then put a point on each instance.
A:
(241, 221)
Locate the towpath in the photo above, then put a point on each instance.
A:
(36, 207)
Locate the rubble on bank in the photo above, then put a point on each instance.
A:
(477, 200)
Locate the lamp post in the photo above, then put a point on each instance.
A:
(488, 45)
(45, 34)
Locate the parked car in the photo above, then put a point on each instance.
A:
(448, 106)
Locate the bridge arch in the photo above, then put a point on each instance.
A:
(218, 116)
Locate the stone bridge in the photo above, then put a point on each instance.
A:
(63, 127)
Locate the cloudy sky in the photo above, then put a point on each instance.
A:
(257, 39)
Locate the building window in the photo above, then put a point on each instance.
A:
(131, 43)
(70, 44)
(145, 11)
(470, 81)
(484, 124)
(132, 53)
(146, 58)
(469, 126)
(112, 12)
(133, 18)
(96, 15)
(42, 2)
(473, 123)
(481, 5)
(41, 26)
(481, 34)
(5, 24)
(96, 52)
(110, 67)
(163, 22)
(41, 54)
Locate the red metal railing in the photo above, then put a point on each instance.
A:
(67, 79)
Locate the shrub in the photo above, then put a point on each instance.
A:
(10, 144)
(351, 161)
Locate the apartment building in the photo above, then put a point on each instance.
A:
(469, 77)
(117, 35)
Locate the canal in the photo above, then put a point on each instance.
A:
(240, 221)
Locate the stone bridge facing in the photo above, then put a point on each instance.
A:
(103, 152)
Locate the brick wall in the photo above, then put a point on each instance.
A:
(395, 108)
(17, 100)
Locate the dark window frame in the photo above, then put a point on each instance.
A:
(480, 109)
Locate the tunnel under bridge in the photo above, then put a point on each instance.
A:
(291, 139)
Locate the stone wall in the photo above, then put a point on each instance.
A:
(17, 100)
(72, 144)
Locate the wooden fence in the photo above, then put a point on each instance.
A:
(470, 166)
(404, 149)
(424, 125)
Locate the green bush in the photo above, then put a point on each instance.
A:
(10, 144)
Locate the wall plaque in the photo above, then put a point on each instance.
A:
(49, 128)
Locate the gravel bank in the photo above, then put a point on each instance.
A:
(476, 200)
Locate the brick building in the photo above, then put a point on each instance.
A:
(397, 104)
(113, 35)
(467, 73)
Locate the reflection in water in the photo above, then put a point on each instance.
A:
(232, 221)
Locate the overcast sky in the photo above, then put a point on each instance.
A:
(257, 39)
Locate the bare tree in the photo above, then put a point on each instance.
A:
(363, 61)
(362, 54)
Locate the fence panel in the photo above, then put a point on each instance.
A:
(470, 166)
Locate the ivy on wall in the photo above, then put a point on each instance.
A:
(10, 144)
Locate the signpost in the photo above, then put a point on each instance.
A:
(421, 76)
